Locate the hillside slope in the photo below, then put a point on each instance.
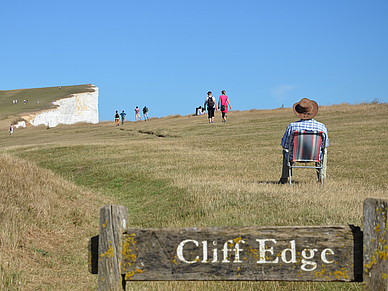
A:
(45, 222)
(177, 172)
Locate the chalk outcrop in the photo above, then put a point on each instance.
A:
(82, 107)
(20, 124)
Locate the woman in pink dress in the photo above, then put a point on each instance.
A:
(223, 104)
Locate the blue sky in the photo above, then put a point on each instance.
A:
(168, 54)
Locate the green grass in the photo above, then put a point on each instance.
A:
(184, 172)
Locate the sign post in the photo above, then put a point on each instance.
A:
(375, 244)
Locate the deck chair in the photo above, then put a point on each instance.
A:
(305, 147)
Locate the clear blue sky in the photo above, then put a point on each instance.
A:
(168, 54)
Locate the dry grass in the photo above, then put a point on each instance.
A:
(45, 223)
(182, 171)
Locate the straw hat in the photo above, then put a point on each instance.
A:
(306, 109)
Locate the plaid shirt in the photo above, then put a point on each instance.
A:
(310, 124)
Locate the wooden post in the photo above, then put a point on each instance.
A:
(375, 244)
(113, 222)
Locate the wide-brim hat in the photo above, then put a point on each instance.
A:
(306, 109)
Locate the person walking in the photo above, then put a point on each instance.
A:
(211, 106)
(223, 102)
(137, 114)
(122, 114)
(117, 118)
(11, 129)
(145, 113)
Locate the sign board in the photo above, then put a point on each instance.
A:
(302, 253)
(306, 253)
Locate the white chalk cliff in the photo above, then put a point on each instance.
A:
(82, 107)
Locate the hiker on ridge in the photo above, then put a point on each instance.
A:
(223, 104)
(145, 113)
(122, 116)
(211, 106)
(137, 114)
(117, 118)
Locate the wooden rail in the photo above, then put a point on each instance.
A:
(303, 253)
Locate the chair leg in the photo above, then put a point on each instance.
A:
(289, 175)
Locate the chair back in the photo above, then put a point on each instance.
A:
(307, 146)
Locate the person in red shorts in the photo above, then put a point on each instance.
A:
(223, 105)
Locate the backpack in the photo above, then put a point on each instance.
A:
(210, 102)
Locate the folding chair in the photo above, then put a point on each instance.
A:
(305, 147)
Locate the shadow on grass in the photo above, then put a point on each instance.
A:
(273, 182)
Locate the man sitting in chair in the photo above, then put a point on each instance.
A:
(306, 110)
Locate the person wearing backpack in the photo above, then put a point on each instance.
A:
(117, 118)
(145, 113)
(211, 106)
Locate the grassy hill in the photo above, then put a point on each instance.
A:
(175, 172)
(38, 99)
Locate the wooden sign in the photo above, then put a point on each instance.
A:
(302, 253)
(323, 253)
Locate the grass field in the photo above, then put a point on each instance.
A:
(175, 172)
